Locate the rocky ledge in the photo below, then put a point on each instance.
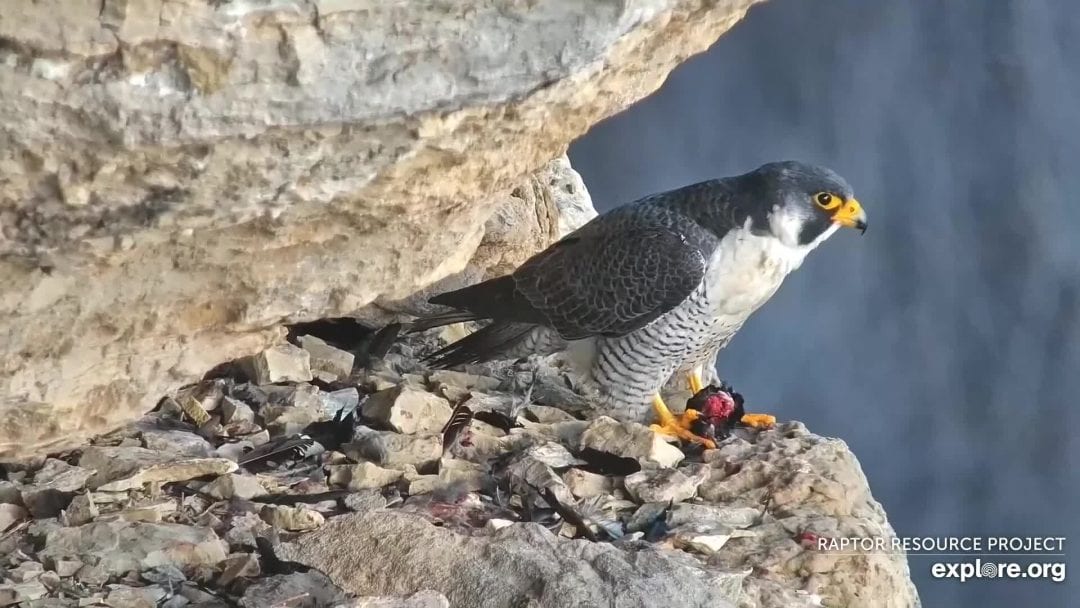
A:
(338, 472)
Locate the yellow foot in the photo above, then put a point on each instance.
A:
(759, 421)
(670, 425)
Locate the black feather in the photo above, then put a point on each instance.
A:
(292, 447)
(568, 514)
(459, 419)
(345, 333)
(383, 340)
(271, 563)
(482, 345)
(332, 433)
(496, 298)
(498, 420)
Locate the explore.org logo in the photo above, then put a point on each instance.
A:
(970, 557)
(963, 571)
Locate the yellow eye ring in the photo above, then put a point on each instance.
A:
(827, 201)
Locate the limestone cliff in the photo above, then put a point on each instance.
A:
(178, 178)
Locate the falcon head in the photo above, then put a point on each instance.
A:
(805, 203)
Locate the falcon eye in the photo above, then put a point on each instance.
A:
(826, 200)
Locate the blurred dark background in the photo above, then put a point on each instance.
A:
(944, 346)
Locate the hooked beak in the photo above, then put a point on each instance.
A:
(851, 215)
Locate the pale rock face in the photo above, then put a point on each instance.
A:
(291, 518)
(362, 476)
(185, 176)
(119, 469)
(408, 410)
(119, 547)
(327, 363)
(244, 487)
(664, 485)
(630, 440)
(282, 363)
(584, 484)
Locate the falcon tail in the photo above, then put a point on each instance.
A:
(484, 344)
(492, 299)
(487, 300)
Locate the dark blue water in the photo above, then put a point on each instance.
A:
(944, 345)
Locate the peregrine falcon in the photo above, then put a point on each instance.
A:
(654, 288)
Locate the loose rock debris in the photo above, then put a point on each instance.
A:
(187, 506)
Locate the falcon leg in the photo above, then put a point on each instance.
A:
(670, 425)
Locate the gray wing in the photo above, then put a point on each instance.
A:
(612, 276)
(610, 282)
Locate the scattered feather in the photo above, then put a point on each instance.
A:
(568, 514)
(292, 448)
(459, 421)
